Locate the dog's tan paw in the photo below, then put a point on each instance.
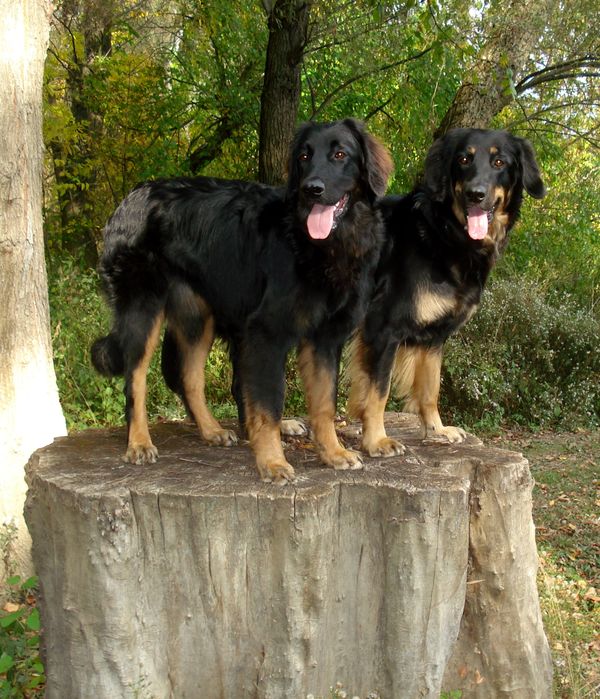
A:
(293, 428)
(278, 472)
(222, 438)
(343, 459)
(447, 433)
(385, 448)
(141, 454)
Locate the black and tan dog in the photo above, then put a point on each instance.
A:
(442, 240)
(267, 269)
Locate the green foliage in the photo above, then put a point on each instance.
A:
(21, 670)
(557, 243)
(528, 357)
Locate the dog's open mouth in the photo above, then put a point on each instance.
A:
(323, 219)
(478, 221)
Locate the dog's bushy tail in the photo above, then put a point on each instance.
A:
(107, 356)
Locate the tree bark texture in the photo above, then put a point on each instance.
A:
(30, 414)
(288, 27)
(191, 578)
(514, 28)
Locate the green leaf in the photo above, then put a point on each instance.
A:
(30, 583)
(9, 619)
(6, 662)
(14, 580)
(33, 620)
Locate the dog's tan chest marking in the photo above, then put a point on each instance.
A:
(431, 305)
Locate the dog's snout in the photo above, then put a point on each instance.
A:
(475, 194)
(314, 186)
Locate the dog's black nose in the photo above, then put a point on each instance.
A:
(475, 194)
(315, 187)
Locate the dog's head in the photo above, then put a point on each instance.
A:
(331, 167)
(481, 174)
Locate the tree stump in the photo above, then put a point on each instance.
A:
(189, 578)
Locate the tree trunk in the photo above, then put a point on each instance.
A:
(288, 27)
(30, 414)
(74, 169)
(192, 578)
(515, 28)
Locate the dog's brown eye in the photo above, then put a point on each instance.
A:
(339, 155)
(463, 160)
(303, 156)
(498, 162)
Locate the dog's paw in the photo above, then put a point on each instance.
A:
(222, 438)
(343, 459)
(278, 472)
(384, 447)
(141, 454)
(446, 433)
(293, 428)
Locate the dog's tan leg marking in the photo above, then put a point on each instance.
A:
(425, 394)
(375, 440)
(193, 378)
(140, 449)
(319, 385)
(264, 434)
(367, 404)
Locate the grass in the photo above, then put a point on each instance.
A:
(566, 506)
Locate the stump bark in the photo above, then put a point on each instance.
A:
(189, 578)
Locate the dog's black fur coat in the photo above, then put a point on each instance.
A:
(432, 272)
(238, 254)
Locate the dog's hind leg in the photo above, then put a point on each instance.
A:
(319, 374)
(424, 396)
(193, 356)
(370, 375)
(186, 346)
(140, 449)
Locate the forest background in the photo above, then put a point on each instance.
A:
(138, 90)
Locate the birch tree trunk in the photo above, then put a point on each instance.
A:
(30, 413)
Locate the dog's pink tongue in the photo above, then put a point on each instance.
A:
(477, 223)
(320, 221)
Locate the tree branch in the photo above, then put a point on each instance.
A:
(560, 71)
(365, 74)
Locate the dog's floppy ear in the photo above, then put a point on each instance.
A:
(532, 179)
(378, 162)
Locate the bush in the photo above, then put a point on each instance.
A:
(528, 357)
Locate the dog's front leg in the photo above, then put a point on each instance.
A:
(319, 371)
